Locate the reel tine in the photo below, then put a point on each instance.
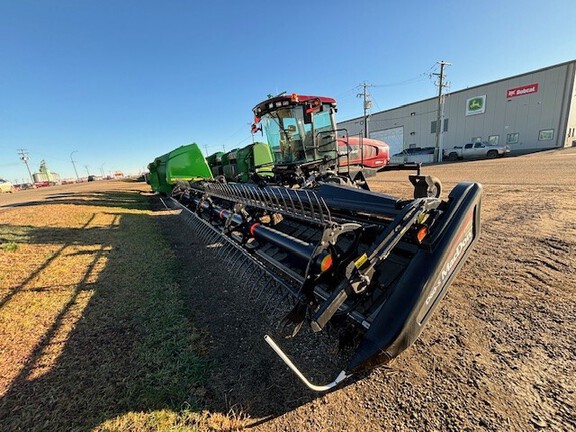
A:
(221, 250)
(193, 221)
(253, 280)
(237, 259)
(256, 272)
(274, 285)
(230, 249)
(312, 212)
(208, 235)
(302, 210)
(280, 301)
(247, 267)
(249, 272)
(243, 262)
(265, 282)
(201, 232)
(272, 294)
(211, 236)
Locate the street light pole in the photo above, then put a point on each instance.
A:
(74, 165)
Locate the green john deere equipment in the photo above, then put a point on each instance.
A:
(254, 158)
(240, 165)
(182, 164)
(157, 170)
(215, 163)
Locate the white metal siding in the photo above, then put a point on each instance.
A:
(553, 106)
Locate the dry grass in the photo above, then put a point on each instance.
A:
(94, 328)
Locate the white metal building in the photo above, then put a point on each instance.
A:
(529, 112)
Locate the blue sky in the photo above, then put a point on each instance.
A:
(121, 82)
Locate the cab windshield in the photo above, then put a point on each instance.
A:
(292, 140)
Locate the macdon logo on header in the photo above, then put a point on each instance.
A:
(450, 264)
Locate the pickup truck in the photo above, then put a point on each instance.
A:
(476, 150)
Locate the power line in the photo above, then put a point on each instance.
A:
(368, 100)
(419, 77)
(11, 164)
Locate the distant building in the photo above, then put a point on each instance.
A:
(529, 112)
(45, 175)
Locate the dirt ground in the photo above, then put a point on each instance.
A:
(500, 354)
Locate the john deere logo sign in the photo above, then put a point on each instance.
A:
(476, 105)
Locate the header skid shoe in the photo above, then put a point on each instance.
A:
(364, 268)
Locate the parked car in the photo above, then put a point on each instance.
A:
(24, 186)
(414, 155)
(475, 151)
(6, 186)
(415, 151)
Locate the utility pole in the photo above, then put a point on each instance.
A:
(439, 114)
(24, 157)
(367, 105)
(74, 165)
(86, 166)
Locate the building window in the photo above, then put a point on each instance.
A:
(512, 138)
(477, 139)
(494, 139)
(546, 135)
(444, 124)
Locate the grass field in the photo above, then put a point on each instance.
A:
(95, 332)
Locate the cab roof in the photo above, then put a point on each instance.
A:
(287, 100)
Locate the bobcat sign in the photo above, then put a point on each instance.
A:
(476, 105)
(521, 91)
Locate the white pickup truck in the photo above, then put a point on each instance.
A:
(475, 151)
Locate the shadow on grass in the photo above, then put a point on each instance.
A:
(124, 199)
(135, 348)
(132, 349)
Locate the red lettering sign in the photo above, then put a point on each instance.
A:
(521, 91)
